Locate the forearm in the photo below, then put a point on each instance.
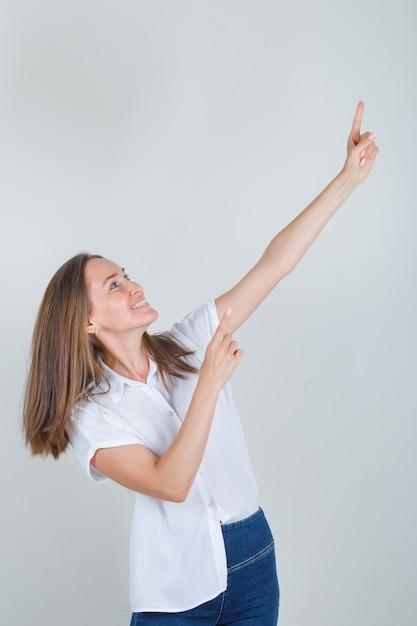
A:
(288, 247)
(285, 250)
(178, 466)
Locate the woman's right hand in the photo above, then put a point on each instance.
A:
(222, 356)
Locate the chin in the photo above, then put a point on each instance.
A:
(154, 315)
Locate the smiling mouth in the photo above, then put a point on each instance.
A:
(139, 304)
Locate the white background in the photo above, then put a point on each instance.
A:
(176, 138)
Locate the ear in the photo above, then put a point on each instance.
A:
(91, 328)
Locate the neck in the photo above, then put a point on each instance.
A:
(134, 371)
(129, 361)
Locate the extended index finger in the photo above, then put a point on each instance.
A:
(355, 133)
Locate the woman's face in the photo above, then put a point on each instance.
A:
(117, 304)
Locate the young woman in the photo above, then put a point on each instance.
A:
(155, 414)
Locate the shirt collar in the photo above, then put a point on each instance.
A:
(119, 382)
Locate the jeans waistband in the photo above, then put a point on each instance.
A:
(246, 538)
(247, 521)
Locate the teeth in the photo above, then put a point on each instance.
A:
(139, 304)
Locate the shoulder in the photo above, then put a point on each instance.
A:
(197, 327)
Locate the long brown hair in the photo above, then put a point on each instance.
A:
(66, 360)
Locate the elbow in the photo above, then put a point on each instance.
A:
(178, 498)
(174, 493)
(288, 267)
(167, 494)
(286, 272)
(277, 268)
(177, 495)
(172, 487)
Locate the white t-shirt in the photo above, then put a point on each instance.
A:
(177, 555)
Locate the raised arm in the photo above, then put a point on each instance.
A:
(288, 247)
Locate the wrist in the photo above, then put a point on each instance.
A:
(347, 180)
(208, 388)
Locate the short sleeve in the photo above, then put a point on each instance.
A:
(91, 429)
(197, 328)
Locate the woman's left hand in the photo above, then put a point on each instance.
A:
(361, 149)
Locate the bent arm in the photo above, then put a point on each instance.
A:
(170, 476)
(289, 246)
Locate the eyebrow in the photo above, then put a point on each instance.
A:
(113, 276)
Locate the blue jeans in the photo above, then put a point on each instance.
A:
(252, 594)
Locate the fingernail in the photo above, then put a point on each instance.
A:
(362, 153)
(228, 311)
(362, 161)
(371, 136)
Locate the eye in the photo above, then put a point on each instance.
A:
(127, 276)
(113, 285)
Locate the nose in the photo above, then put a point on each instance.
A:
(135, 289)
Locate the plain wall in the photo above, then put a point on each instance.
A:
(177, 138)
